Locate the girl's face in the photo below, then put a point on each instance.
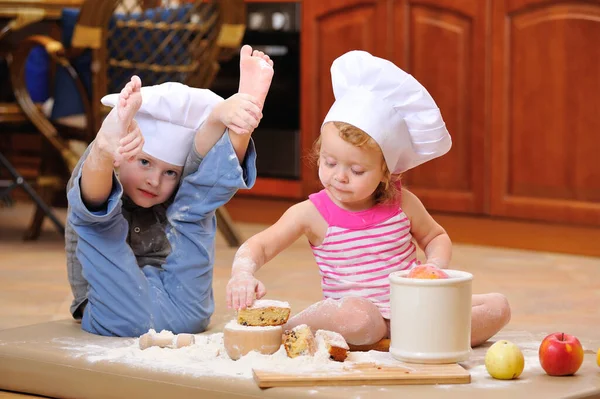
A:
(350, 174)
(148, 181)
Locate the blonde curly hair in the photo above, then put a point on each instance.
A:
(388, 191)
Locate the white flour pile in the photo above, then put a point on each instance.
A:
(207, 357)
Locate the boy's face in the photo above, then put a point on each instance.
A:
(350, 174)
(148, 181)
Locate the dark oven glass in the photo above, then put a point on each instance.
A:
(273, 28)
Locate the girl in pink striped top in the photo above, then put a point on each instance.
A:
(363, 225)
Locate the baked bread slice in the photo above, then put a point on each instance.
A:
(332, 343)
(299, 341)
(264, 313)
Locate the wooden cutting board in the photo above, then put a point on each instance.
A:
(368, 374)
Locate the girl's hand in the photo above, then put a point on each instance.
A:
(242, 289)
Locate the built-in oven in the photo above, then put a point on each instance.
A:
(273, 28)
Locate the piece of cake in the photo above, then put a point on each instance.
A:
(332, 343)
(299, 341)
(264, 313)
(240, 340)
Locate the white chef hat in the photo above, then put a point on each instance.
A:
(389, 105)
(170, 115)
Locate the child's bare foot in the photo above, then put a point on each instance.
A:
(130, 101)
(120, 137)
(256, 73)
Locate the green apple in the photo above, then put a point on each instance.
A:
(504, 360)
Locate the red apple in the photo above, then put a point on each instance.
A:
(427, 272)
(560, 354)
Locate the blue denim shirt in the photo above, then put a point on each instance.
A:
(126, 298)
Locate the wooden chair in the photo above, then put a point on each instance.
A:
(159, 40)
(12, 119)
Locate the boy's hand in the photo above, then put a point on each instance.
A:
(116, 146)
(120, 137)
(240, 113)
(108, 136)
(241, 290)
(130, 145)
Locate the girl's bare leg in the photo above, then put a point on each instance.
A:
(490, 312)
(358, 320)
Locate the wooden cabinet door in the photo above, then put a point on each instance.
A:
(442, 43)
(331, 28)
(545, 116)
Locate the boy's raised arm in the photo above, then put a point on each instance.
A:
(118, 139)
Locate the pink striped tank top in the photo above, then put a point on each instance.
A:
(361, 249)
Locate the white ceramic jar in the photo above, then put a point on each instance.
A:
(431, 319)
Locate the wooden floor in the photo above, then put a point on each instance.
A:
(547, 291)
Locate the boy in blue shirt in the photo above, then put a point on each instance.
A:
(140, 242)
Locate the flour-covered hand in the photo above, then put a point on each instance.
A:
(242, 289)
(130, 145)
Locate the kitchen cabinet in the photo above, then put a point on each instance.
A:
(518, 83)
(544, 124)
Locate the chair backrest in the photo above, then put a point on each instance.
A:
(158, 40)
(111, 40)
(166, 43)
